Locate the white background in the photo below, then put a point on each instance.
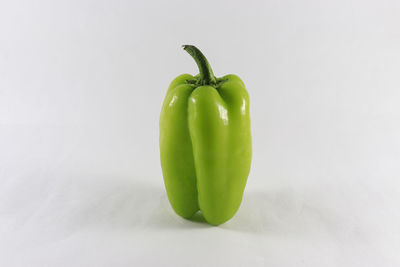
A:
(81, 88)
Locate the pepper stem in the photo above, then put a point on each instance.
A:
(206, 74)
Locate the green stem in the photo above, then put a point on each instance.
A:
(206, 74)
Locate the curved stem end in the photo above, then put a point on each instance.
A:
(206, 73)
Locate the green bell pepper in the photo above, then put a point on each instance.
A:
(205, 142)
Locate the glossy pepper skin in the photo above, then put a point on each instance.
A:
(205, 142)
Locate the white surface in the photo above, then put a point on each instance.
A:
(81, 87)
